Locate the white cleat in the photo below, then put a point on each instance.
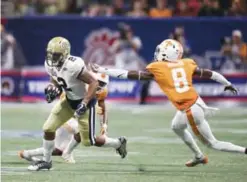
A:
(40, 165)
(68, 158)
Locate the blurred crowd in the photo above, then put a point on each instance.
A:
(133, 8)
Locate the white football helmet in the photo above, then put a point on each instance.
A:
(101, 77)
(168, 50)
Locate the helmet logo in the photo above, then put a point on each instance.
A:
(168, 43)
(103, 75)
(64, 45)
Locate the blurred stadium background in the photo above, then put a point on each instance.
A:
(124, 34)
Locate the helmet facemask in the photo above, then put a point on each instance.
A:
(54, 59)
(101, 85)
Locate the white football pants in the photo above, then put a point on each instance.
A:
(195, 118)
(65, 132)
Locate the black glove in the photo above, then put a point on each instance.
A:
(81, 109)
(51, 92)
(232, 89)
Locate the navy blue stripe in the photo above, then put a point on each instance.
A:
(93, 121)
(89, 121)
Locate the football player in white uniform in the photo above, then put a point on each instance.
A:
(65, 133)
(70, 74)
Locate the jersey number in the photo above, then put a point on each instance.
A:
(63, 84)
(72, 59)
(179, 79)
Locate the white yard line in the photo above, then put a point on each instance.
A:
(222, 130)
(9, 170)
(229, 121)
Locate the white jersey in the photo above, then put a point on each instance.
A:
(67, 75)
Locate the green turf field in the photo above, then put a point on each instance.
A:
(152, 147)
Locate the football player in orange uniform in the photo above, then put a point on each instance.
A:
(174, 76)
(64, 140)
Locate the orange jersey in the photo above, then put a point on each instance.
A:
(175, 80)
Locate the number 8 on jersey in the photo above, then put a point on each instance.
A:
(180, 81)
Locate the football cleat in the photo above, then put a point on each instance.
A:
(68, 158)
(40, 165)
(122, 151)
(24, 155)
(196, 161)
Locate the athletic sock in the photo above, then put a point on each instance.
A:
(186, 136)
(48, 146)
(112, 142)
(34, 152)
(71, 146)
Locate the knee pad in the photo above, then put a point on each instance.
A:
(176, 127)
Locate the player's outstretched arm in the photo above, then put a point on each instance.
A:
(124, 74)
(213, 75)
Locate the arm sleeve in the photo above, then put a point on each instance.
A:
(220, 78)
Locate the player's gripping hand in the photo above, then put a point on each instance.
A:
(232, 89)
(81, 109)
(51, 92)
(103, 130)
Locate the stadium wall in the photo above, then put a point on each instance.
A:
(28, 86)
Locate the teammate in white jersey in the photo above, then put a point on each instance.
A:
(70, 74)
(65, 133)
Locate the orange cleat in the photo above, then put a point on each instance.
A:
(196, 161)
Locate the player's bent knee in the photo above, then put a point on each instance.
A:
(176, 128)
(173, 127)
(213, 144)
(77, 137)
(49, 135)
